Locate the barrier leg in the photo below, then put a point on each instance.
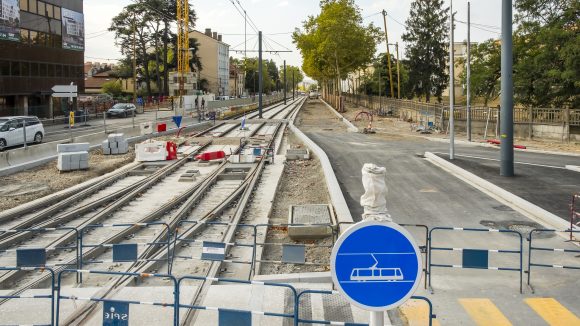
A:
(377, 318)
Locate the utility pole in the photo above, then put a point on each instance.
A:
(260, 73)
(293, 86)
(134, 62)
(245, 34)
(451, 87)
(285, 85)
(380, 98)
(507, 95)
(468, 71)
(388, 53)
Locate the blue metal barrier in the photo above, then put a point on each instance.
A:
(38, 296)
(122, 303)
(475, 258)
(125, 252)
(220, 248)
(242, 317)
(531, 248)
(328, 322)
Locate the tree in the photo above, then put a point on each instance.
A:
(298, 76)
(427, 46)
(335, 42)
(123, 68)
(252, 81)
(485, 70)
(547, 53)
(113, 88)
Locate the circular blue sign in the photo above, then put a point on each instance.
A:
(376, 265)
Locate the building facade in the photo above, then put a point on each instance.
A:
(41, 45)
(215, 61)
(459, 52)
(236, 81)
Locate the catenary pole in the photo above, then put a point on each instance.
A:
(285, 84)
(507, 95)
(468, 71)
(260, 73)
(451, 87)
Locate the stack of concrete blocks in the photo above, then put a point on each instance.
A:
(72, 157)
(115, 144)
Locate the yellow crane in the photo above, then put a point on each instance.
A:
(182, 46)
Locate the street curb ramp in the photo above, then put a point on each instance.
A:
(536, 213)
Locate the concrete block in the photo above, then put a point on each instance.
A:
(112, 144)
(151, 151)
(83, 165)
(105, 144)
(114, 151)
(297, 154)
(75, 165)
(63, 163)
(77, 147)
(310, 214)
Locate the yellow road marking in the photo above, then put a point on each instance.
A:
(416, 312)
(484, 312)
(553, 312)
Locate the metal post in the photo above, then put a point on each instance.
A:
(105, 121)
(398, 72)
(293, 86)
(24, 131)
(507, 95)
(388, 55)
(134, 62)
(377, 318)
(285, 85)
(468, 71)
(260, 74)
(451, 87)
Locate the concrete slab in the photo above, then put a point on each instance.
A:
(310, 214)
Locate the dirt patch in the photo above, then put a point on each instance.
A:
(302, 183)
(25, 186)
(315, 116)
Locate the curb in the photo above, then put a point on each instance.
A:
(336, 197)
(480, 144)
(350, 127)
(573, 168)
(519, 204)
(313, 277)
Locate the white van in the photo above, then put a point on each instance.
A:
(12, 133)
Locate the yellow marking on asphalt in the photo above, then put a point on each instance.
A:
(553, 312)
(416, 312)
(484, 312)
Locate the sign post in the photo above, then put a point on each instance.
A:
(377, 266)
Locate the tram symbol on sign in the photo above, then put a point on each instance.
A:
(377, 274)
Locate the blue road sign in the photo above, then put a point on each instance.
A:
(115, 313)
(177, 120)
(376, 265)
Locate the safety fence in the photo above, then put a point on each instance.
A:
(121, 252)
(475, 258)
(542, 263)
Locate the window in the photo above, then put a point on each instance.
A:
(50, 70)
(32, 6)
(32, 121)
(50, 10)
(33, 37)
(43, 71)
(57, 12)
(34, 69)
(24, 36)
(4, 68)
(41, 9)
(24, 5)
(58, 71)
(15, 68)
(25, 69)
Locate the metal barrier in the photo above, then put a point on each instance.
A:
(423, 247)
(36, 296)
(214, 250)
(122, 252)
(119, 308)
(292, 253)
(35, 256)
(238, 317)
(532, 248)
(431, 316)
(475, 258)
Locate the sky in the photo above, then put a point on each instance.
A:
(278, 18)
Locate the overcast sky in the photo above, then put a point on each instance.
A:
(277, 19)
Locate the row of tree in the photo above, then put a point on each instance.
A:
(546, 52)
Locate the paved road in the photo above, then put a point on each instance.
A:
(420, 192)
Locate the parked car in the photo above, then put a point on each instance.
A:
(313, 95)
(12, 133)
(122, 110)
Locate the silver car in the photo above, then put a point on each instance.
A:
(12, 131)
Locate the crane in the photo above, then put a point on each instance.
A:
(182, 47)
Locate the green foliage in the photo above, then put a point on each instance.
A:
(298, 76)
(427, 47)
(485, 70)
(113, 88)
(335, 42)
(252, 82)
(547, 53)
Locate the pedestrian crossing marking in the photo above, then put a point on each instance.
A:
(484, 312)
(553, 312)
(416, 312)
